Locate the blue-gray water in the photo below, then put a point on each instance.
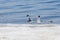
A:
(15, 11)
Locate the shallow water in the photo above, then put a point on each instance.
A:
(15, 11)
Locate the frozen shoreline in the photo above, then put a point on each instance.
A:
(26, 25)
(29, 32)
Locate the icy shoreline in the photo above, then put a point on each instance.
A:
(18, 25)
(29, 32)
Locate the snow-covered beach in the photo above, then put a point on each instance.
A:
(29, 32)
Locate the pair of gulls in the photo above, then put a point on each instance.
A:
(30, 20)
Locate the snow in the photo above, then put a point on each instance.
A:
(29, 32)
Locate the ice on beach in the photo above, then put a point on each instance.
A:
(29, 32)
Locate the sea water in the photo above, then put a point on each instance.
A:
(15, 11)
